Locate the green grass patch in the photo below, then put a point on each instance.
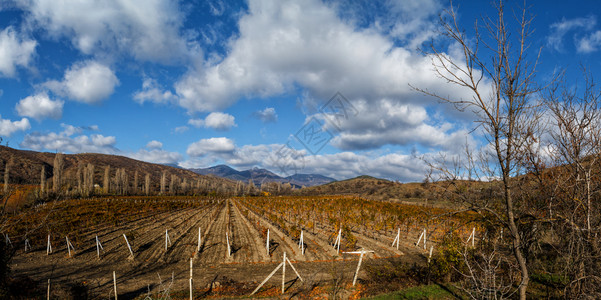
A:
(432, 291)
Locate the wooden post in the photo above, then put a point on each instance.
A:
(199, 241)
(7, 240)
(269, 276)
(128, 246)
(98, 247)
(430, 255)
(397, 239)
(115, 283)
(338, 240)
(27, 245)
(167, 240)
(283, 272)
(424, 238)
(227, 240)
(301, 243)
(69, 246)
(48, 295)
(48, 246)
(191, 298)
(267, 242)
(358, 266)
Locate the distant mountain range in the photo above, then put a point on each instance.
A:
(259, 176)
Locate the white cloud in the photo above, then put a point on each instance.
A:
(560, 29)
(216, 120)
(70, 140)
(152, 92)
(40, 107)
(339, 165)
(157, 156)
(8, 127)
(154, 145)
(203, 147)
(589, 43)
(15, 51)
(181, 129)
(266, 115)
(147, 30)
(290, 44)
(89, 82)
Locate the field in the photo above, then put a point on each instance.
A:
(159, 266)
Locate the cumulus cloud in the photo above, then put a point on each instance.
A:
(70, 140)
(15, 51)
(89, 82)
(589, 43)
(220, 145)
(291, 44)
(40, 107)
(154, 145)
(147, 30)
(157, 156)
(560, 29)
(153, 92)
(8, 127)
(216, 120)
(266, 115)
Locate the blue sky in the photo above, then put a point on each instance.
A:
(201, 83)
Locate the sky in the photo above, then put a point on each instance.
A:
(291, 86)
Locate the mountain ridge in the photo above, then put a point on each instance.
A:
(260, 176)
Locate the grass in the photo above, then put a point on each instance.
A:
(432, 291)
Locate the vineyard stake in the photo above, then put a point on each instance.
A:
(338, 240)
(362, 252)
(167, 239)
(69, 246)
(430, 255)
(128, 246)
(115, 283)
(294, 269)
(397, 239)
(191, 279)
(301, 243)
(48, 246)
(267, 242)
(227, 240)
(262, 283)
(424, 238)
(48, 295)
(98, 247)
(7, 240)
(283, 272)
(27, 245)
(199, 241)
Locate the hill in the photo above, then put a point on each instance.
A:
(27, 165)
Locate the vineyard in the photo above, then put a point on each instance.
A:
(226, 237)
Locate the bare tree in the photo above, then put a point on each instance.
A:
(576, 189)
(135, 187)
(7, 174)
(57, 172)
(43, 180)
(106, 185)
(501, 80)
(163, 182)
(147, 184)
(89, 179)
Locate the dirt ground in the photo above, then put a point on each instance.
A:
(154, 269)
